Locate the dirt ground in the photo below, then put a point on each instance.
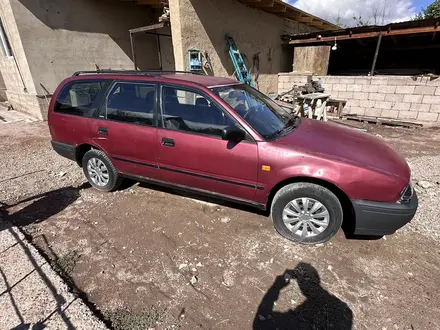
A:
(145, 255)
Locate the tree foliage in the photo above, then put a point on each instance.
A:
(432, 11)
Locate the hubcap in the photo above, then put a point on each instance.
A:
(98, 172)
(306, 217)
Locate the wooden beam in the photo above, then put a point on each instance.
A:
(364, 35)
(250, 1)
(148, 2)
(264, 4)
(148, 28)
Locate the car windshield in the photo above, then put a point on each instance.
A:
(259, 111)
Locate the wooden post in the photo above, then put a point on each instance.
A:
(373, 67)
(133, 55)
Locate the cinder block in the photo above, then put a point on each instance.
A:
(373, 112)
(376, 97)
(416, 81)
(331, 80)
(334, 94)
(360, 95)
(425, 90)
(354, 88)
(352, 103)
(347, 80)
(357, 110)
(405, 89)
(437, 91)
(396, 80)
(340, 87)
(433, 107)
(388, 89)
(427, 116)
(362, 81)
(401, 106)
(394, 97)
(420, 107)
(408, 114)
(411, 98)
(431, 99)
(379, 80)
(370, 88)
(345, 95)
(328, 87)
(383, 105)
(389, 113)
(367, 103)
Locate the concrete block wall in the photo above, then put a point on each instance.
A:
(396, 97)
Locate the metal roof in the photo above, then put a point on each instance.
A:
(393, 29)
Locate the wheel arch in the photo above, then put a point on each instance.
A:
(348, 220)
(81, 150)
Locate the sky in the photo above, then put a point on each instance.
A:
(388, 10)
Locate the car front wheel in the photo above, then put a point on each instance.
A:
(100, 171)
(306, 213)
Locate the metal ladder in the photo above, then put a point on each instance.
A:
(240, 68)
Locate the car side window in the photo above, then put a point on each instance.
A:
(80, 98)
(131, 103)
(189, 111)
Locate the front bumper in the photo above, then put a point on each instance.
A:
(379, 218)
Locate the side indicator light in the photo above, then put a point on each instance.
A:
(265, 168)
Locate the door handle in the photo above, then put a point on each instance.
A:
(167, 142)
(102, 131)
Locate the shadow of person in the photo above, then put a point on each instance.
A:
(43, 206)
(320, 310)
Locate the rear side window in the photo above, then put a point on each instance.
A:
(132, 103)
(80, 98)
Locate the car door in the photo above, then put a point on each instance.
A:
(192, 152)
(126, 129)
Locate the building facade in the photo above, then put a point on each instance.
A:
(45, 41)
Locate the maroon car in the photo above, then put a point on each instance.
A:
(220, 137)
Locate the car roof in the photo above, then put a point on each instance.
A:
(200, 79)
(207, 81)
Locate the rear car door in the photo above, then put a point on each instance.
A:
(125, 128)
(192, 152)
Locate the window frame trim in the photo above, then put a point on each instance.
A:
(137, 82)
(201, 92)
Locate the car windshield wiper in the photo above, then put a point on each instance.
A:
(288, 127)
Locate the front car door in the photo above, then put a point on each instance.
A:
(192, 152)
(125, 128)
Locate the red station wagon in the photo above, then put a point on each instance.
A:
(220, 137)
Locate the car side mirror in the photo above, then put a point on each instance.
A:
(233, 133)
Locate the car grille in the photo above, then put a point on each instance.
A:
(406, 194)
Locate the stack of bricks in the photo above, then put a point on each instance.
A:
(396, 97)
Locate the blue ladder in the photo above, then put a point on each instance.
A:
(240, 68)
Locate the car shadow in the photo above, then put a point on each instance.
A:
(320, 309)
(204, 198)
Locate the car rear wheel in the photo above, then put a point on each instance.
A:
(100, 171)
(306, 213)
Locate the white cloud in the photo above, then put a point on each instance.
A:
(387, 11)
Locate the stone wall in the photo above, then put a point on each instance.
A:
(202, 24)
(396, 97)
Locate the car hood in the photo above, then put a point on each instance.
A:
(348, 145)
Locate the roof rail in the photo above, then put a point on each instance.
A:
(152, 73)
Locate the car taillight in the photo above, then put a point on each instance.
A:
(406, 194)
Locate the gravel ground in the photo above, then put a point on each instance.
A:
(426, 178)
(132, 250)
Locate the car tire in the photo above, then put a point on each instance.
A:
(96, 160)
(287, 212)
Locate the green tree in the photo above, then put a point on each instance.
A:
(432, 11)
